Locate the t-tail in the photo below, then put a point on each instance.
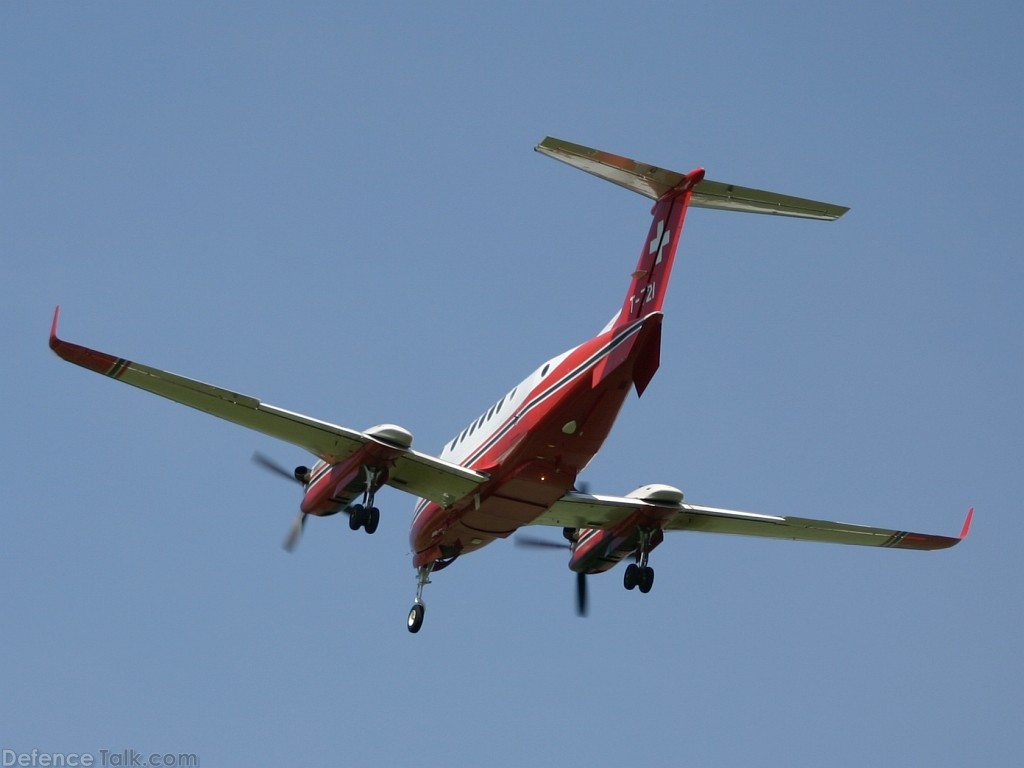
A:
(673, 194)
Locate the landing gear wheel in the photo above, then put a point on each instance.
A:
(356, 516)
(371, 519)
(646, 579)
(631, 577)
(415, 620)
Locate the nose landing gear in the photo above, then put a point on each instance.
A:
(415, 620)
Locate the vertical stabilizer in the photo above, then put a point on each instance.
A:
(649, 282)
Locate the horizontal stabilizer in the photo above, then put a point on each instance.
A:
(654, 182)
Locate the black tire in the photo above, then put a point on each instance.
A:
(646, 579)
(631, 577)
(372, 519)
(415, 620)
(356, 516)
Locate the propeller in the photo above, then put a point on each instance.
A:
(581, 594)
(299, 476)
(295, 532)
(581, 578)
(534, 543)
(268, 463)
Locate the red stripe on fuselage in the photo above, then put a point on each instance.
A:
(579, 362)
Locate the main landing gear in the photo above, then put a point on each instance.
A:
(365, 515)
(361, 516)
(640, 574)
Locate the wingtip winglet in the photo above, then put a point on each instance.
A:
(967, 524)
(929, 541)
(100, 362)
(54, 341)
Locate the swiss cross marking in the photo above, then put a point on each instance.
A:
(660, 240)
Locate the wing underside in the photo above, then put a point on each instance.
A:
(578, 510)
(417, 473)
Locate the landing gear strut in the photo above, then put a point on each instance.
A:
(415, 620)
(640, 574)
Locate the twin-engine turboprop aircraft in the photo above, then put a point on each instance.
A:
(517, 463)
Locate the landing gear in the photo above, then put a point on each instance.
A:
(367, 518)
(640, 574)
(415, 620)
(365, 515)
(635, 576)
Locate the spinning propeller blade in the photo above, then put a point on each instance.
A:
(269, 464)
(295, 532)
(581, 594)
(531, 542)
(581, 578)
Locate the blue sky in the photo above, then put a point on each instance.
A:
(338, 210)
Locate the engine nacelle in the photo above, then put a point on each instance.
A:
(391, 434)
(657, 493)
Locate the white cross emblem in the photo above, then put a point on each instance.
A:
(661, 239)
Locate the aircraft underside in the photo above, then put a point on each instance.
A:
(517, 463)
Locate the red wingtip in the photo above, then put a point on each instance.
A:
(53, 329)
(967, 524)
(100, 362)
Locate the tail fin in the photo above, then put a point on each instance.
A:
(673, 193)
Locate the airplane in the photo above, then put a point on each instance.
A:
(517, 463)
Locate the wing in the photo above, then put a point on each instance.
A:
(417, 473)
(580, 510)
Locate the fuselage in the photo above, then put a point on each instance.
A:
(536, 439)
